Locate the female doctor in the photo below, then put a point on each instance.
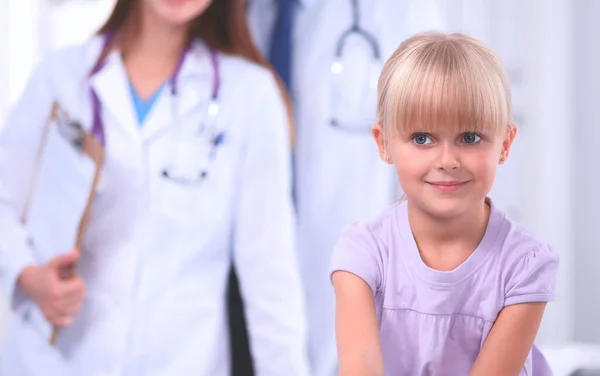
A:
(184, 190)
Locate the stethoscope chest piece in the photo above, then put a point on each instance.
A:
(354, 80)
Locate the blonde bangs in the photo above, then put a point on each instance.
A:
(435, 80)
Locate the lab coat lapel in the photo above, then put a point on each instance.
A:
(111, 85)
(194, 85)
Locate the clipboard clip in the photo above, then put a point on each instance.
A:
(71, 130)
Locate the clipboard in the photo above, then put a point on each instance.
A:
(56, 213)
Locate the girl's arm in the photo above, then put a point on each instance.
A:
(510, 340)
(359, 348)
(529, 285)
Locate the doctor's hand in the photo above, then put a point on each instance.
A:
(57, 292)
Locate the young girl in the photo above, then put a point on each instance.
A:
(196, 176)
(442, 283)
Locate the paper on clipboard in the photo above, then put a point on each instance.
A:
(59, 198)
(59, 201)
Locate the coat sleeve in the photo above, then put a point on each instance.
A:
(264, 241)
(20, 138)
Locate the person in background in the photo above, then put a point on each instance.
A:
(330, 54)
(443, 282)
(196, 129)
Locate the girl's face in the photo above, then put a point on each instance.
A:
(445, 171)
(176, 12)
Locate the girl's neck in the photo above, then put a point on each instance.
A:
(445, 243)
(151, 50)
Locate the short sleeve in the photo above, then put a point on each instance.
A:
(533, 278)
(357, 252)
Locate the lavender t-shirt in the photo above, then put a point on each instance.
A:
(433, 322)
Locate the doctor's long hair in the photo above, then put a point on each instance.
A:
(223, 26)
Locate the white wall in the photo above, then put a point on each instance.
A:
(585, 130)
(548, 204)
(20, 43)
(3, 103)
(31, 28)
(3, 58)
(73, 21)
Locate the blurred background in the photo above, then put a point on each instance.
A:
(552, 53)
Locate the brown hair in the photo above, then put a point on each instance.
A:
(223, 26)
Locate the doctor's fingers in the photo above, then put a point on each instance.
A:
(61, 319)
(68, 307)
(71, 288)
(61, 312)
(75, 297)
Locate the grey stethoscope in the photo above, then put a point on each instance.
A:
(356, 114)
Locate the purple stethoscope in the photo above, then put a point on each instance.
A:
(193, 149)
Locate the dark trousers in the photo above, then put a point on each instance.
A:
(241, 359)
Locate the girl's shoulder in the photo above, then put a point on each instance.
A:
(376, 232)
(363, 248)
(528, 265)
(519, 244)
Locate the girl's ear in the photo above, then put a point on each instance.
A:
(379, 137)
(507, 143)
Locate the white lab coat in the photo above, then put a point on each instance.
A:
(157, 253)
(339, 176)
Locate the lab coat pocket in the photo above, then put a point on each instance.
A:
(35, 338)
(193, 181)
(31, 353)
(192, 204)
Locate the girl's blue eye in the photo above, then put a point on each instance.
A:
(421, 139)
(471, 138)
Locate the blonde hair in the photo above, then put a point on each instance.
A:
(435, 79)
